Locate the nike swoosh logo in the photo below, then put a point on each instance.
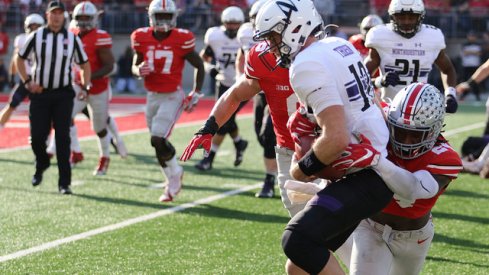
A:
(422, 241)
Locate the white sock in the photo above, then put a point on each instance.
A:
(75, 144)
(104, 145)
(173, 165)
(237, 139)
(214, 147)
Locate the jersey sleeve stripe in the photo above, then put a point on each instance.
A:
(445, 167)
(188, 46)
(192, 41)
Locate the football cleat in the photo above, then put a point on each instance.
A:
(76, 157)
(173, 186)
(103, 166)
(267, 191)
(204, 165)
(240, 148)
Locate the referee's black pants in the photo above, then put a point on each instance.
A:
(52, 108)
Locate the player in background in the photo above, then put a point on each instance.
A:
(222, 45)
(405, 51)
(19, 92)
(358, 40)
(160, 52)
(397, 239)
(263, 120)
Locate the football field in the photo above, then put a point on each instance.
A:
(115, 225)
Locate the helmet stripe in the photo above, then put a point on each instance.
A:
(408, 108)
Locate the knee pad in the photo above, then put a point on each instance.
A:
(269, 140)
(164, 149)
(473, 146)
(303, 252)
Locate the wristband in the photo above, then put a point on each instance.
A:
(210, 127)
(310, 164)
(472, 83)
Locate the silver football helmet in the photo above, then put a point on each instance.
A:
(162, 15)
(88, 9)
(398, 7)
(415, 120)
(31, 19)
(369, 22)
(293, 20)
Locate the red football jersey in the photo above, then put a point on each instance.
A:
(441, 160)
(359, 44)
(279, 94)
(165, 57)
(92, 41)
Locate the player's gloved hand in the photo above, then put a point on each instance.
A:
(451, 104)
(388, 79)
(299, 125)
(361, 155)
(202, 139)
(191, 100)
(144, 69)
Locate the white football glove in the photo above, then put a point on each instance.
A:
(191, 100)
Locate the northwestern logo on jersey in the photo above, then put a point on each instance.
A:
(344, 50)
(408, 52)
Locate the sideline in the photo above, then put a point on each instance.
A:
(125, 223)
(168, 211)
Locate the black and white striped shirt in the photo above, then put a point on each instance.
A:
(53, 55)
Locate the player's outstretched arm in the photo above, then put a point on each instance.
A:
(449, 79)
(199, 73)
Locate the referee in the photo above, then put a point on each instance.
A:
(51, 94)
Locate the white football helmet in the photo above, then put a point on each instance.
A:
(32, 19)
(167, 10)
(415, 120)
(255, 8)
(369, 22)
(85, 8)
(294, 20)
(406, 6)
(232, 14)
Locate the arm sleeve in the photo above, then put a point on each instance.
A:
(410, 186)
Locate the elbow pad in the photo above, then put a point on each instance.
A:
(410, 186)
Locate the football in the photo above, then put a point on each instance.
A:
(327, 172)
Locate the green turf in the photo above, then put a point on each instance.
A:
(234, 235)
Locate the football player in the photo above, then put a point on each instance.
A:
(405, 51)
(329, 77)
(397, 239)
(19, 92)
(263, 120)
(221, 46)
(358, 40)
(160, 52)
(97, 44)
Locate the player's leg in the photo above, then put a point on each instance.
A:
(117, 138)
(284, 160)
(98, 107)
(370, 253)
(269, 142)
(19, 93)
(410, 252)
(336, 208)
(166, 108)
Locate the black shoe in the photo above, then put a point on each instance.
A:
(37, 178)
(65, 190)
(267, 191)
(204, 165)
(240, 148)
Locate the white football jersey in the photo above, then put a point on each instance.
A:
(19, 42)
(245, 36)
(412, 58)
(225, 50)
(331, 72)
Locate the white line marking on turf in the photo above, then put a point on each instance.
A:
(126, 223)
(464, 129)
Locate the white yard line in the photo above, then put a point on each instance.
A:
(168, 211)
(125, 223)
